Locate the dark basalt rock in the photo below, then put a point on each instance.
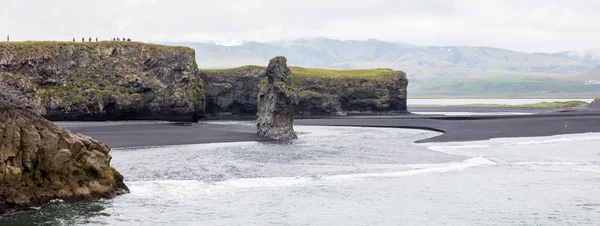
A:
(41, 162)
(276, 102)
(595, 105)
(106, 80)
(232, 92)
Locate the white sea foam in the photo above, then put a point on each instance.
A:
(463, 148)
(219, 122)
(568, 153)
(427, 169)
(456, 149)
(275, 182)
(560, 166)
(559, 139)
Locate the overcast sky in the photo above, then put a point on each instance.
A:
(522, 25)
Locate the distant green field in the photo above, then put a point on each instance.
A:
(555, 104)
(503, 86)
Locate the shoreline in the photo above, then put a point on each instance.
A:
(453, 128)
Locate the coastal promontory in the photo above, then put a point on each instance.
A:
(42, 162)
(321, 92)
(105, 80)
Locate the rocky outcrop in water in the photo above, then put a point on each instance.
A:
(105, 80)
(321, 92)
(42, 162)
(276, 102)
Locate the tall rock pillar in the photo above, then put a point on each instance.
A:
(276, 102)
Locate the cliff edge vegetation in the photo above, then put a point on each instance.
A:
(320, 91)
(105, 80)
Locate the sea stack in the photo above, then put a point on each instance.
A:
(42, 162)
(276, 102)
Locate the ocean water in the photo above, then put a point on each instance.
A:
(484, 101)
(349, 176)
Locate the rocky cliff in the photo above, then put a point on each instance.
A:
(595, 104)
(320, 91)
(105, 80)
(276, 102)
(42, 162)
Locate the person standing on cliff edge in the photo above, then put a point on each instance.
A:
(8, 38)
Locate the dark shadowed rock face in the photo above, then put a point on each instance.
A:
(232, 91)
(595, 105)
(276, 102)
(105, 80)
(42, 162)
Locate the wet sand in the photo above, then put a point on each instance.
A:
(454, 128)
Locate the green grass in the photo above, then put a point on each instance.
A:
(433, 95)
(320, 72)
(235, 71)
(555, 104)
(302, 74)
(502, 86)
(28, 44)
(40, 48)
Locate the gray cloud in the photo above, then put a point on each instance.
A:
(533, 26)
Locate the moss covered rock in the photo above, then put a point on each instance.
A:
(42, 162)
(106, 80)
(320, 91)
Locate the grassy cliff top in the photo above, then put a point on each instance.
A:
(45, 46)
(300, 73)
(236, 71)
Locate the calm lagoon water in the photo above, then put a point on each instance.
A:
(350, 176)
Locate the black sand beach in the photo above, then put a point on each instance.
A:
(454, 128)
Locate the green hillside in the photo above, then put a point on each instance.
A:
(593, 74)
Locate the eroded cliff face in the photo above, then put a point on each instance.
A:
(41, 162)
(321, 92)
(276, 102)
(105, 80)
(232, 91)
(595, 104)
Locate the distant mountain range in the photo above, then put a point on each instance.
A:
(431, 69)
